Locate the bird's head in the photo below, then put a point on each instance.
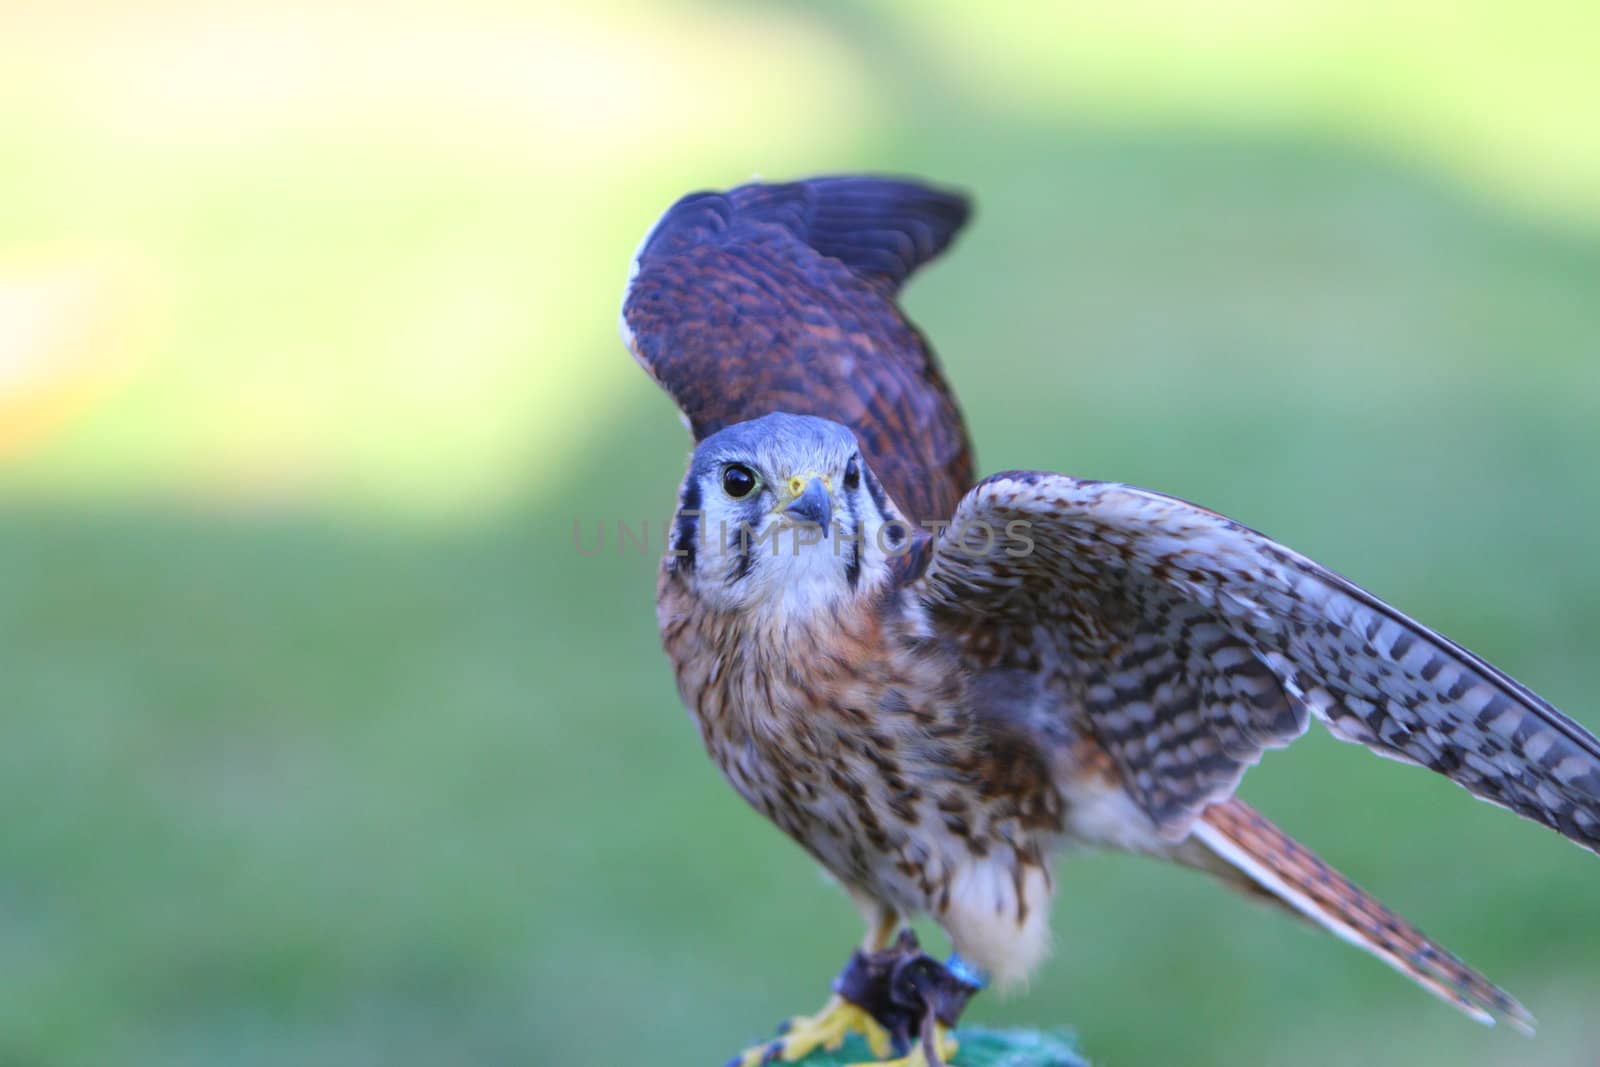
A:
(783, 511)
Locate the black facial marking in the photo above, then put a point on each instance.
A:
(876, 489)
(741, 545)
(688, 524)
(852, 563)
(852, 473)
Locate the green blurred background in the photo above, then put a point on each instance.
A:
(324, 746)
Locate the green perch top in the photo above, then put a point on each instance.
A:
(979, 1048)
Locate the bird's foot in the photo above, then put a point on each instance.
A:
(913, 996)
(899, 999)
(936, 1049)
(827, 1029)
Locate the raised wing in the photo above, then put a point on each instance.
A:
(782, 298)
(1190, 643)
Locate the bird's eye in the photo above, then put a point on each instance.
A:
(852, 474)
(739, 481)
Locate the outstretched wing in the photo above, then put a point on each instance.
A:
(1190, 643)
(782, 298)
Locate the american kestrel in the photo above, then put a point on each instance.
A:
(933, 686)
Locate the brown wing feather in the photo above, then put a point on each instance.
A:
(1189, 643)
(1241, 846)
(782, 298)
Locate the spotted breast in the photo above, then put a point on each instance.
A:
(855, 734)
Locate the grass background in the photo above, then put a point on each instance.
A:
(324, 745)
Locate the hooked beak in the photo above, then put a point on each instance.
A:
(813, 503)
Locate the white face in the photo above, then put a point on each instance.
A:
(781, 513)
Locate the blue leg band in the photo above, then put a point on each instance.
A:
(965, 971)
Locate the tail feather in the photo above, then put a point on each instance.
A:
(1246, 843)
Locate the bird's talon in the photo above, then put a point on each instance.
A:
(947, 1047)
(802, 1035)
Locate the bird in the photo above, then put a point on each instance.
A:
(935, 684)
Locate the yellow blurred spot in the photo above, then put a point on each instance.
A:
(65, 339)
(395, 234)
